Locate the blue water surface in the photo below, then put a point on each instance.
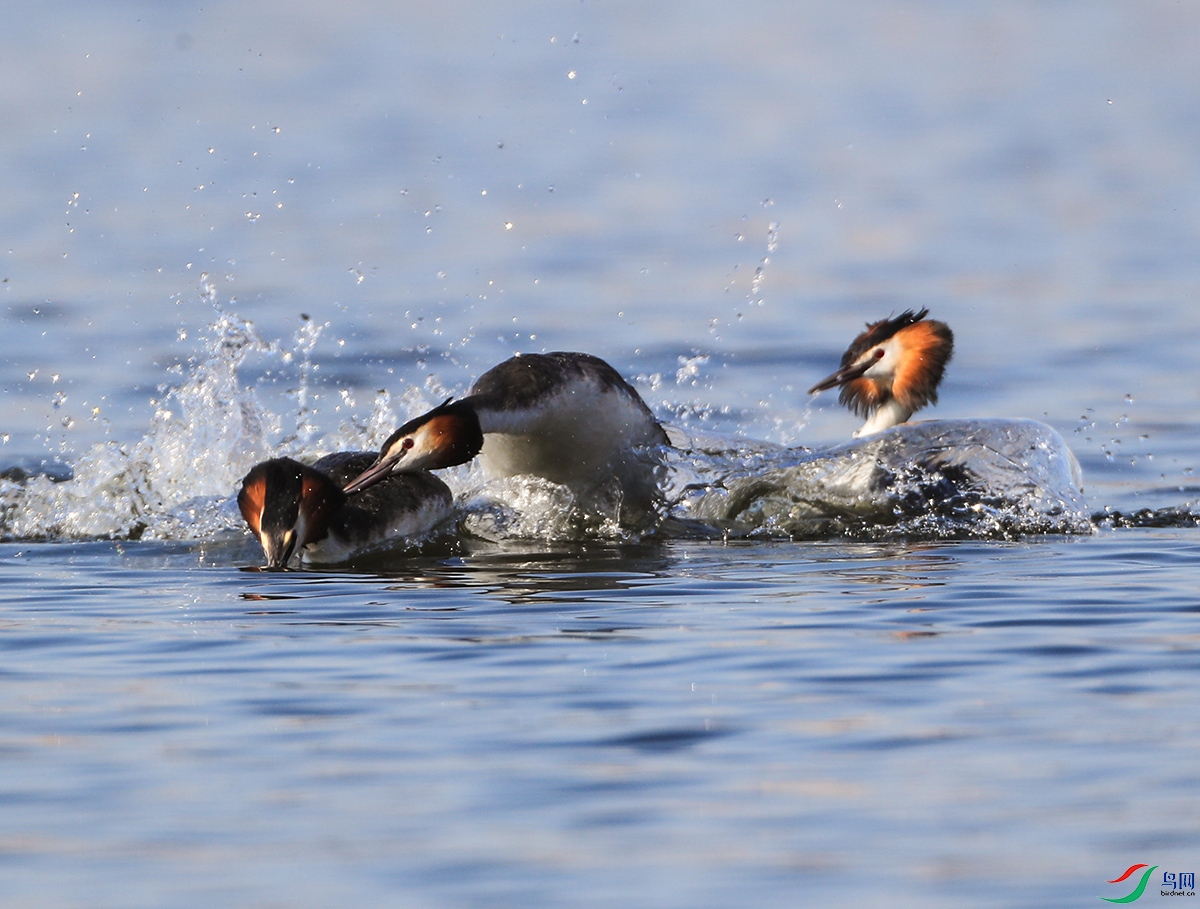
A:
(688, 724)
(715, 198)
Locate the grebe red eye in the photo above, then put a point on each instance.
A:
(407, 444)
(879, 353)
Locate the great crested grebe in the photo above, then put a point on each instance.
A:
(892, 369)
(567, 417)
(993, 477)
(296, 509)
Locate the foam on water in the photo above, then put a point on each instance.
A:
(937, 479)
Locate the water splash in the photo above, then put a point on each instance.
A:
(203, 435)
(941, 479)
(306, 342)
(1185, 515)
(690, 369)
(761, 270)
(933, 480)
(526, 508)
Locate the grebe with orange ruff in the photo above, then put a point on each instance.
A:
(950, 477)
(297, 510)
(566, 417)
(892, 369)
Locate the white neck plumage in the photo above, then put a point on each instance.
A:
(890, 413)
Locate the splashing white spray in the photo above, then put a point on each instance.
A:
(759, 273)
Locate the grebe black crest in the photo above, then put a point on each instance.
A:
(892, 369)
(566, 417)
(294, 509)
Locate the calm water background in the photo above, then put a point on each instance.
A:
(714, 197)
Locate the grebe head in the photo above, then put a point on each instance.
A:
(287, 505)
(447, 435)
(892, 369)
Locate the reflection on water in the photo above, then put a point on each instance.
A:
(516, 573)
(632, 711)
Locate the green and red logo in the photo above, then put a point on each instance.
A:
(1174, 883)
(1138, 890)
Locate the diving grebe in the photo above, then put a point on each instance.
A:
(293, 508)
(567, 417)
(892, 369)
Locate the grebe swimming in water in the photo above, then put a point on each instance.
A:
(945, 477)
(566, 417)
(296, 509)
(892, 370)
